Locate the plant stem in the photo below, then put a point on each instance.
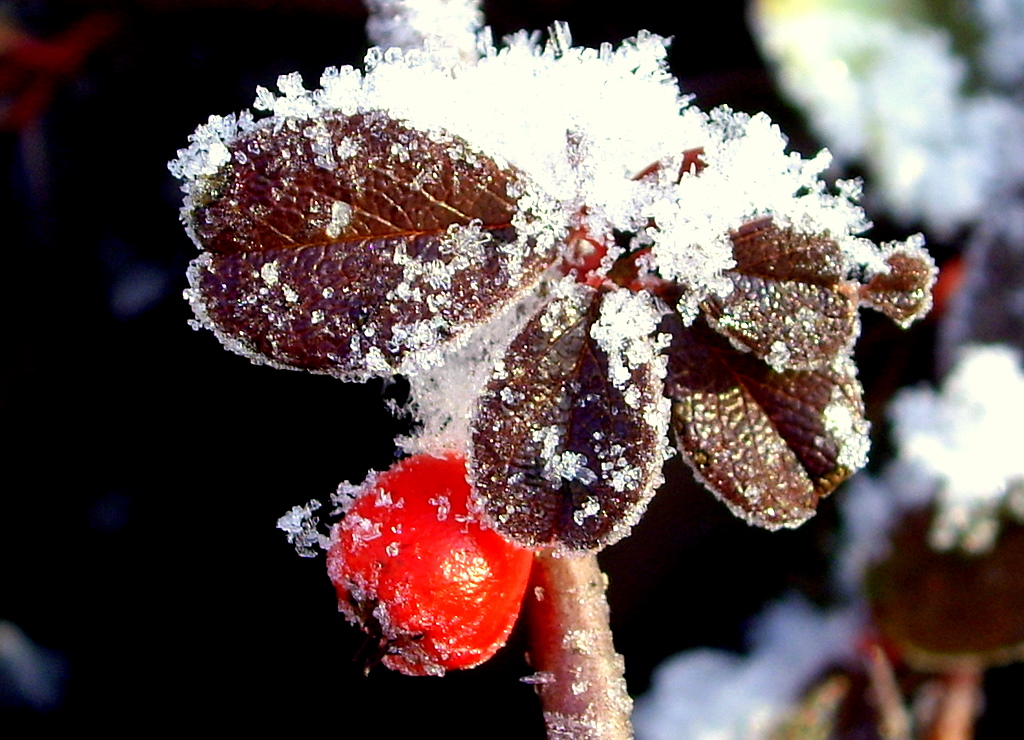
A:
(959, 704)
(579, 675)
(893, 720)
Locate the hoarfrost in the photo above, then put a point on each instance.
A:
(341, 215)
(748, 174)
(300, 527)
(623, 330)
(443, 396)
(539, 678)
(849, 431)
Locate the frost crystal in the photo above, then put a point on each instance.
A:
(300, 527)
(623, 331)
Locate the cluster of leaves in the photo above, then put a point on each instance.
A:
(357, 245)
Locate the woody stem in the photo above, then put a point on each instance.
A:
(579, 674)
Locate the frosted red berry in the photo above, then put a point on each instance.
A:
(414, 569)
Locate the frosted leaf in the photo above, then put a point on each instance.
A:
(903, 290)
(789, 303)
(300, 527)
(769, 444)
(965, 438)
(363, 268)
(541, 476)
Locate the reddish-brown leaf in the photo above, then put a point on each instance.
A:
(789, 304)
(347, 244)
(562, 456)
(904, 294)
(769, 444)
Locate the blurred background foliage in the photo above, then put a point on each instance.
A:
(138, 547)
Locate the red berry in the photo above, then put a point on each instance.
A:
(415, 569)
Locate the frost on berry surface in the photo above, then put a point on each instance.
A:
(405, 219)
(418, 574)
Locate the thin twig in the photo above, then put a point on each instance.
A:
(579, 675)
(893, 719)
(959, 704)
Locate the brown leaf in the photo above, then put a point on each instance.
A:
(769, 444)
(349, 244)
(567, 449)
(904, 294)
(789, 304)
(946, 609)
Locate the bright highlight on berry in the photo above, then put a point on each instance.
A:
(416, 571)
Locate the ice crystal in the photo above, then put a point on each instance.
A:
(300, 526)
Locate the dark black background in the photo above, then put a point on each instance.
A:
(146, 466)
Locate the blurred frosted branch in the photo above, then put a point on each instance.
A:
(897, 87)
(419, 24)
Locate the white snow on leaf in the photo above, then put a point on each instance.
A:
(581, 124)
(624, 330)
(584, 149)
(706, 694)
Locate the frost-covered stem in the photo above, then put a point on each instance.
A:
(958, 706)
(583, 691)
